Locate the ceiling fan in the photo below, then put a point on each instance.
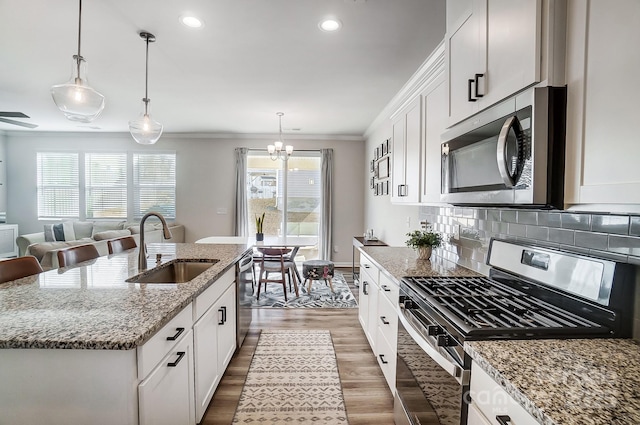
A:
(4, 117)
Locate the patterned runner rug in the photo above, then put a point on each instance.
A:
(293, 378)
(319, 297)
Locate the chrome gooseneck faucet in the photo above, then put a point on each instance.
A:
(166, 233)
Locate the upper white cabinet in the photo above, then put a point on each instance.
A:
(405, 169)
(434, 117)
(493, 49)
(602, 106)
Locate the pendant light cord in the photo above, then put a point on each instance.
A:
(79, 57)
(146, 79)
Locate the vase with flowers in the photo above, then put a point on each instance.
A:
(423, 242)
(259, 223)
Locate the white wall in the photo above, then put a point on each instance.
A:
(205, 178)
(389, 221)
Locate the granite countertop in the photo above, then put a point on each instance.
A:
(399, 262)
(91, 306)
(567, 382)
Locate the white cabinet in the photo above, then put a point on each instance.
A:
(490, 401)
(602, 106)
(166, 395)
(434, 113)
(214, 339)
(378, 317)
(493, 49)
(405, 169)
(8, 235)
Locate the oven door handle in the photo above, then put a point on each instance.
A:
(508, 178)
(453, 369)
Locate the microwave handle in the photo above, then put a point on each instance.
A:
(509, 179)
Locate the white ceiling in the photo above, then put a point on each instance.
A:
(252, 59)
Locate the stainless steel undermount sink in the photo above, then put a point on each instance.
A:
(175, 271)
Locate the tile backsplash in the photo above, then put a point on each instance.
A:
(468, 231)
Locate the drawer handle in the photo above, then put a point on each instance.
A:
(364, 287)
(384, 320)
(366, 266)
(470, 90)
(180, 356)
(477, 84)
(385, 288)
(223, 310)
(382, 359)
(503, 419)
(173, 338)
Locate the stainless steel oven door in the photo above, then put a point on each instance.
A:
(430, 383)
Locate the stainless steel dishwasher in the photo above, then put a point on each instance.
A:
(244, 291)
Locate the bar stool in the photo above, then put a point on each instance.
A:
(77, 254)
(121, 244)
(17, 268)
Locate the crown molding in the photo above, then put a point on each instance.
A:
(431, 69)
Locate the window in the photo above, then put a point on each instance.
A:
(58, 185)
(154, 182)
(105, 185)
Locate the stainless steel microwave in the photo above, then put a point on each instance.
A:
(511, 154)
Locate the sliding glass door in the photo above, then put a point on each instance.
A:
(289, 193)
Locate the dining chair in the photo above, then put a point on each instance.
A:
(17, 268)
(121, 244)
(77, 254)
(273, 260)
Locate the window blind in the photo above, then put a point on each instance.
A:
(58, 186)
(154, 181)
(106, 185)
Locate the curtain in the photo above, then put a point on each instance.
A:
(326, 175)
(242, 211)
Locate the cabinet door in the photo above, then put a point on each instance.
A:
(166, 396)
(397, 156)
(363, 300)
(602, 106)
(406, 154)
(465, 57)
(226, 328)
(513, 48)
(435, 122)
(207, 373)
(372, 320)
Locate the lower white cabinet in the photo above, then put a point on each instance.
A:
(491, 404)
(166, 395)
(215, 342)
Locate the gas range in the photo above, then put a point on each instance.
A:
(531, 292)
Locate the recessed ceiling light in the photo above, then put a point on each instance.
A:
(330, 24)
(191, 21)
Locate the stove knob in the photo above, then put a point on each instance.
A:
(434, 330)
(408, 304)
(445, 341)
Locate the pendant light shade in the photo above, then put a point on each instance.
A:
(145, 130)
(75, 98)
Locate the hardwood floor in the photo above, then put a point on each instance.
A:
(367, 397)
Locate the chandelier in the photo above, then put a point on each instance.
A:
(275, 150)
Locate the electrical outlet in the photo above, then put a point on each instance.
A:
(423, 224)
(409, 221)
(456, 231)
(335, 248)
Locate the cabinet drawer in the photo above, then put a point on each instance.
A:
(475, 416)
(389, 288)
(388, 322)
(206, 299)
(386, 357)
(152, 351)
(366, 266)
(492, 400)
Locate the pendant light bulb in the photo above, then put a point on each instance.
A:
(145, 130)
(75, 98)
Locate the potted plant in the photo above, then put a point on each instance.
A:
(423, 242)
(259, 223)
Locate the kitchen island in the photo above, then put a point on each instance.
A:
(78, 344)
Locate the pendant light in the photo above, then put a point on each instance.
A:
(75, 98)
(275, 150)
(145, 130)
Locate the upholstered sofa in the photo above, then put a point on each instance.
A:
(44, 245)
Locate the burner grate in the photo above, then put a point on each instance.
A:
(486, 305)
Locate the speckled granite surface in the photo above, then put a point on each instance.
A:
(403, 261)
(567, 382)
(91, 306)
